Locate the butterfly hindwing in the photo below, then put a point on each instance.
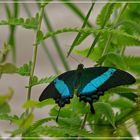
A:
(61, 89)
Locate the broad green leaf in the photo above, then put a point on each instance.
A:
(106, 109)
(8, 68)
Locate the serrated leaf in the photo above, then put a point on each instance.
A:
(112, 59)
(8, 68)
(29, 23)
(25, 69)
(106, 109)
(13, 119)
(106, 12)
(66, 132)
(36, 81)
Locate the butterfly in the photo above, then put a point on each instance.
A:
(90, 84)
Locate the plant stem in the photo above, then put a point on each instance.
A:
(110, 35)
(84, 121)
(34, 55)
(46, 50)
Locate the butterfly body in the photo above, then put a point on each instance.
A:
(90, 83)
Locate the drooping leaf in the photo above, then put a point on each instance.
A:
(8, 68)
(7, 96)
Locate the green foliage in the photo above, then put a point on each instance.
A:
(116, 28)
(29, 23)
(25, 69)
(7, 68)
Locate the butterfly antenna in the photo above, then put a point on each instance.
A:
(58, 115)
(75, 59)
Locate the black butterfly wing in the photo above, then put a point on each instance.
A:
(95, 81)
(61, 89)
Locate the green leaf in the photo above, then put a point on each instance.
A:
(122, 103)
(4, 52)
(130, 96)
(8, 68)
(29, 23)
(25, 69)
(55, 131)
(13, 119)
(136, 118)
(123, 90)
(7, 96)
(112, 59)
(106, 109)
(122, 131)
(32, 103)
(36, 81)
(106, 12)
(27, 121)
(4, 108)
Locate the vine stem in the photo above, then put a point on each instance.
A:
(41, 12)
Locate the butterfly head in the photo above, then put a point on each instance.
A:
(80, 67)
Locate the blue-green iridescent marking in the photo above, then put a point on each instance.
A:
(62, 87)
(97, 82)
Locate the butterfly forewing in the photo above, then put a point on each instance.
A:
(61, 89)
